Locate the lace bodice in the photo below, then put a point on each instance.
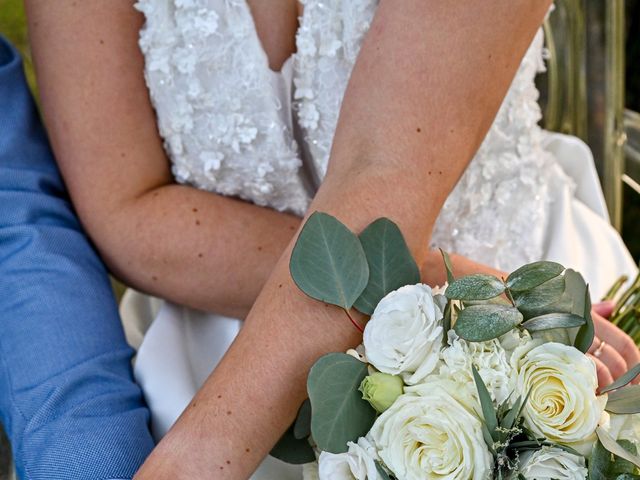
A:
(233, 126)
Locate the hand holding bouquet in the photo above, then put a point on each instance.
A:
(487, 379)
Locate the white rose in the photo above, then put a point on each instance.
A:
(623, 427)
(404, 335)
(358, 463)
(552, 464)
(489, 358)
(430, 434)
(561, 382)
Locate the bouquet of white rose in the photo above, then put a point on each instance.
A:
(485, 380)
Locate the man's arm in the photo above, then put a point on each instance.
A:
(424, 91)
(67, 398)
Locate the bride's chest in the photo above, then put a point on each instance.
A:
(232, 124)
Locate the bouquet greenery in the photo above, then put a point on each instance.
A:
(486, 379)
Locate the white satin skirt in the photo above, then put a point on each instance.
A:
(179, 347)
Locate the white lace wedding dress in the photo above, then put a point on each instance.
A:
(233, 126)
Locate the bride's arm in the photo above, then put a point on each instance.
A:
(176, 242)
(190, 246)
(423, 93)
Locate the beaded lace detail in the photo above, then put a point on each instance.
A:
(328, 41)
(499, 210)
(219, 115)
(224, 131)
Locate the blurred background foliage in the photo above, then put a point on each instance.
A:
(631, 219)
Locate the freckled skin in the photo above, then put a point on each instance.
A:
(367, 129)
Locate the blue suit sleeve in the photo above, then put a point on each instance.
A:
(67, 397)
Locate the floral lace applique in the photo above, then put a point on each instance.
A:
(217, 110)
(223, 129)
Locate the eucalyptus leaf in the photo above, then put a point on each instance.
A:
(488, 439)
(292, 450)
(446, 322)
(623, 380)
(391, 264)
(480, 323)
(475, 287)
(553, 320)
(488, 410)
(510, 418)
(302, 425)
(328, 262)
(587, 332)
(614, 447)
(575, 291)
(555, 335)
(624, 400)
(448, 267)
(542, 295)
(570, 301)
(534, 274)
(339, 414)
(603, 465)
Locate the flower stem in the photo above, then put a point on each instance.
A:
(353, 321)
(615, 288)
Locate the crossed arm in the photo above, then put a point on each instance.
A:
(390, 135)
(157, 236)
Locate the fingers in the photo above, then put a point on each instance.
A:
(604, 375)
(604, 309)
(613, 360)
(617, 339)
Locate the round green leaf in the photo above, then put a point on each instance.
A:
(475, 287)
(624, 401)
(553, 320)
(546, 294)
(480, 323)
(328, 262)
(339, 414)
(391, 264)
(302, 425)
(293, 450)
(534, 274)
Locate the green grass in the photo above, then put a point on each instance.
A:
(13, 26)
